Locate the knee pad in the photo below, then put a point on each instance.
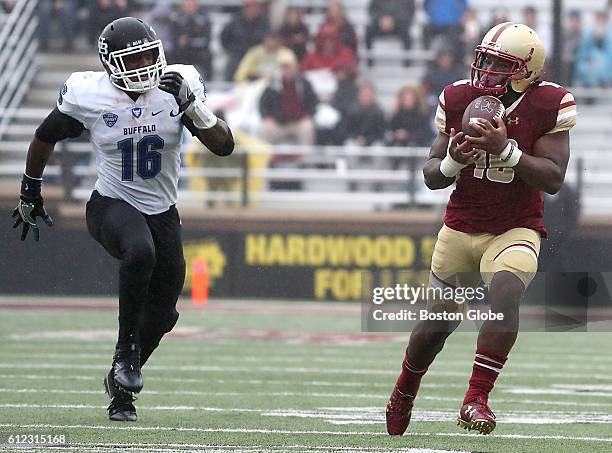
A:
(140, 257)
(520, 260)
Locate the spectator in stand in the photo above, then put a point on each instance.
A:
(499, 16)
(390, 18)
(594, 59)
(243, 32)
(471, 34)
(159, 17)
(102, 12)
(6, 6)
(294, 32)
(442, 72)
(445, 20)
(66, 12)
(191, 36)
(366, 118)
(571, 40)
(530, 18)
(410, 124)
(336, 16)
(342, 101)
(264, 59)
(328, 51)
(287, 106)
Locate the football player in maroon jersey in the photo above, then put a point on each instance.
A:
(493, 222)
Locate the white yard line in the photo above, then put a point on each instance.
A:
(302, 370)
(317, 383)
(201, 393)
(330, 350)
(362, 415)
(160, 448)
(367, 350)
(115, 427)
(523, 390)
(251, 382)
(517, 362)
(246, 393)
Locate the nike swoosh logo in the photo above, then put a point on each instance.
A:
(172, 114)
(156, 113)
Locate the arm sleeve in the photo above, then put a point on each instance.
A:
(198, 87)
(441, 114)
(58, 126)
(188, 123)
(196, 82)
(566, 117)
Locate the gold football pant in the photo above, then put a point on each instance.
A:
(464, 259)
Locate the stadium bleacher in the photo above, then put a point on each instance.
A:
(590, 138)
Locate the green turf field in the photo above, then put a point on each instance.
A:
(257, 377)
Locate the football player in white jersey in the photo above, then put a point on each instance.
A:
(135, 113)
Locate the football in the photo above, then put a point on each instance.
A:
(484, 107)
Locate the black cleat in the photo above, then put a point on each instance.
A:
(121, 407)
(126, 367)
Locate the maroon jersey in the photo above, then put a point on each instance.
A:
(491, 198)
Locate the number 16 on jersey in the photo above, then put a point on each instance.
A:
(148, 157)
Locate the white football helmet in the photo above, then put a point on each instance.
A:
(517, 59)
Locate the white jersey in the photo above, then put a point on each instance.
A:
(136, 143)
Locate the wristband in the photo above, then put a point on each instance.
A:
(511, 154)
(200, 114)
(449, 167)
(30, 187)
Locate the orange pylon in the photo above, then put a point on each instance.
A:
(199, 281)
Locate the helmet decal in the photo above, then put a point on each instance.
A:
(102, 46)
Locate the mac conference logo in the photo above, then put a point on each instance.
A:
(110, 119)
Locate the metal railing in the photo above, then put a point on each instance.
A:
(18, 45)
(347, 177)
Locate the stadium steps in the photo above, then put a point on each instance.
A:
(52, 70)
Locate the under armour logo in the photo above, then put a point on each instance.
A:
(513, 121)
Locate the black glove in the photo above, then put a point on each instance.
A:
(174, 83)
(30, 206)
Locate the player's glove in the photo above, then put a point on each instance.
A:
(30, 206)
(172, 82)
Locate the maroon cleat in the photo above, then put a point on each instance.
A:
(478, 416)
(399, 410)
